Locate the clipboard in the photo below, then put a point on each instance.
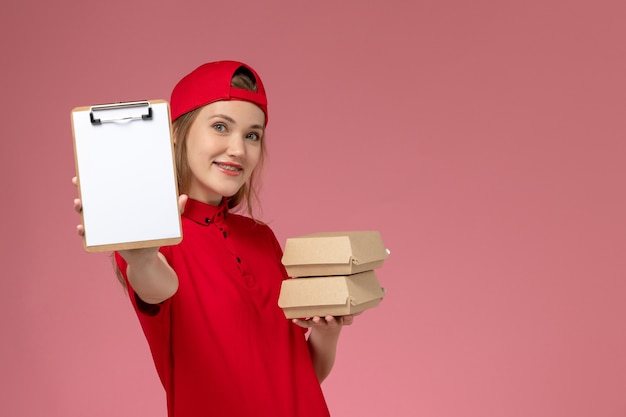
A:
(125, 166)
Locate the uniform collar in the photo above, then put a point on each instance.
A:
(206, 214)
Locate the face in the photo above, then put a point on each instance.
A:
(223, 148)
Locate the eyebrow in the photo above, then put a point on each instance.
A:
(231, 120)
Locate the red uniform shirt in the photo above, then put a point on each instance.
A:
(221, 344)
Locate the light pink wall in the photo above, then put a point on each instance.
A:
(484, 139)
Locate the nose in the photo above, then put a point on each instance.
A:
(236, 146)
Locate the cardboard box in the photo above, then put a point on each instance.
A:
(334, 253)
(333, 295)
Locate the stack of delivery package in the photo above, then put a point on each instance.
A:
(332, 274)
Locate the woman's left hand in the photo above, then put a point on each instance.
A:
(328, 322)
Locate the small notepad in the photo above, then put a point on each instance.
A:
(126, 175)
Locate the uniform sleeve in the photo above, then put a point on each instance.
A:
(139, 305)
(155, 322)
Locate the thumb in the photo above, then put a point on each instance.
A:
(182, 201)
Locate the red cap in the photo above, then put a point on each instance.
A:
(210, 83)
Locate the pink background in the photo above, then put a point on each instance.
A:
(485, 140)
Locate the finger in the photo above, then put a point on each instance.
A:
(326, 321)
(78, 205)
(75, 181)
(80, 230)
(335, 321)
(302, 323)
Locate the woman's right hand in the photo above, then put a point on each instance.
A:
(150, 275)
(129, 255)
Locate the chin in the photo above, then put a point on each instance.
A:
(229, 192)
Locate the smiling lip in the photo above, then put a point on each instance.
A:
(229, 168)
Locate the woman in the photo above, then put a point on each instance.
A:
(208, 306)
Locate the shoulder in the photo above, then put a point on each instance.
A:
(250, 225)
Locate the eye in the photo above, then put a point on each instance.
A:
(220, 127)
(253, 136)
